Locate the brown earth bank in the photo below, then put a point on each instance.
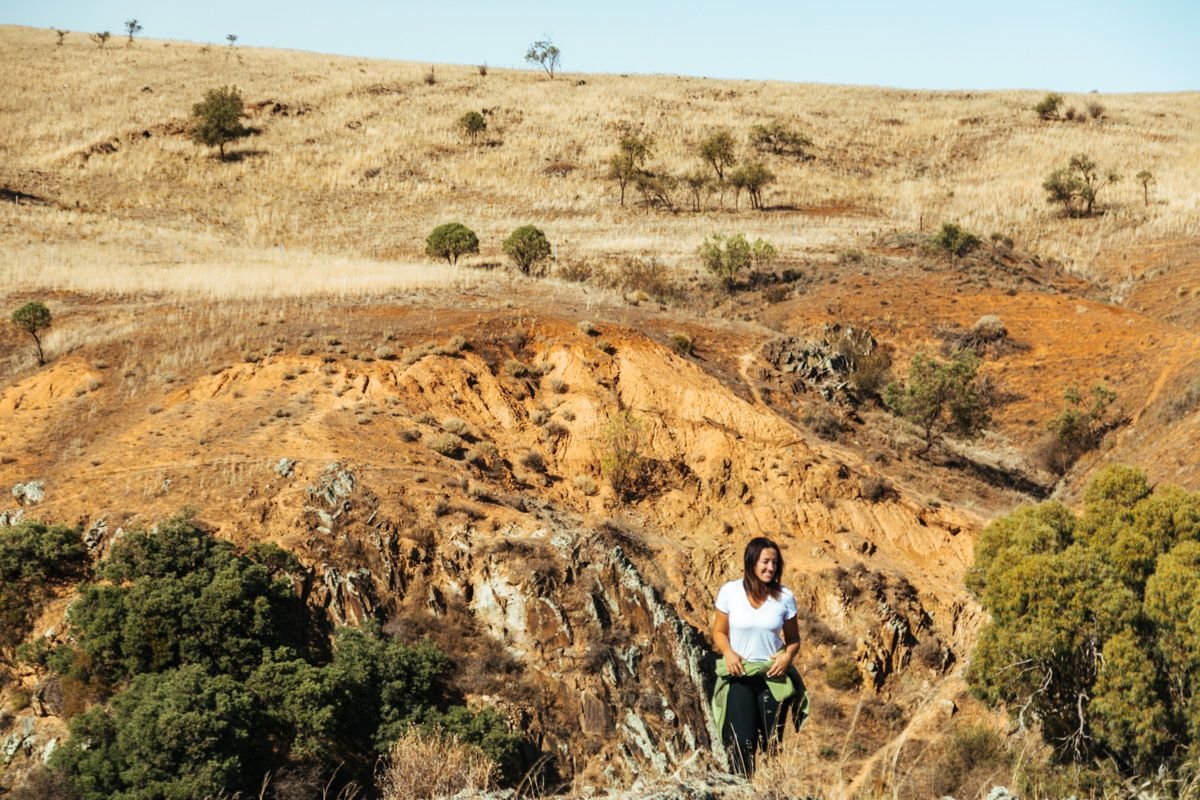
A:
(254, 340)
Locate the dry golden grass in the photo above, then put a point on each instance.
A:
(425, 766)
(338, 193)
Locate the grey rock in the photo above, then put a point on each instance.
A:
(29, 494)
(8, 518)
(284, 467)
(95, 533)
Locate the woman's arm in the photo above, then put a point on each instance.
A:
(720, 635)
(791, 646)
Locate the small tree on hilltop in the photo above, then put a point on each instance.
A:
(231, 38)
(527, 246)
(451, 241)
(132, 28)
(61, 34)
(31, 318)
(1077, 185)
(217, 118)
(472, 124)
(101, 38)
(625, 165)
(940, 397)
(544, 54)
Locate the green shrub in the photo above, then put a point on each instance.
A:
(34, 558)
(629, 161)
(527, 246)
(941, 397)
(1047, 108)
(217, 119)
(778, 139)
(726, 257)
(1076, 186)
(843, 675)
(472, 124)
(1077, 428)
(31, 318)
(955, 241)
(222, 684)
(621, 459)
(682, 344)
(451, 241)
(1098, 610)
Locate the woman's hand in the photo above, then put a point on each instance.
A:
(779, 664)
(720, 634)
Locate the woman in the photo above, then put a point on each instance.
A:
(756, 633)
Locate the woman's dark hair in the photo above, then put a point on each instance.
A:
(755, 588)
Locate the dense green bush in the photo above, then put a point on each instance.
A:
(1048, 106)
(955, 241)
(451, 242)
(206, 653)
(33, 558)
(527, 246)
(1095, 621)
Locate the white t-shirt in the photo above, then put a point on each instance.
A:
(754, 633)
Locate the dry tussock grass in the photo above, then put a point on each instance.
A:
(365, 159)
(424, 766)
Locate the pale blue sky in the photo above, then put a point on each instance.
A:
(1107, 45)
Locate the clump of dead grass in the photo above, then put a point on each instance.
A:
(424, 765)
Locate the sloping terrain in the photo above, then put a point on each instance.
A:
(260, 340)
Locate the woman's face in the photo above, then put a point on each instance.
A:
(767, 565)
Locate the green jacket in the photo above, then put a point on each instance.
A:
(787, 685)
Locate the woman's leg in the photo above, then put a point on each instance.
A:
(742, 721)
(770, 717)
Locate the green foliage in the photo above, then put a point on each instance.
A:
(753, 177)
(472, 124)
(1077, 428)
(1047, 108)
(132, 28)
(1095, 621)
(33, 558)
(778, 139)
(726, 257)
(1077, 185)
(177, 734)
(527, 246)
(180, 597)
(941, 397)
(544, 54)
(621, 459)
(219, 683)
(31, 318)
(843, 674)
(717, 150)
(629, 161)
(217, 119)
(451, 241)
(955, 241)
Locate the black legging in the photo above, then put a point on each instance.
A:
(753, 721)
